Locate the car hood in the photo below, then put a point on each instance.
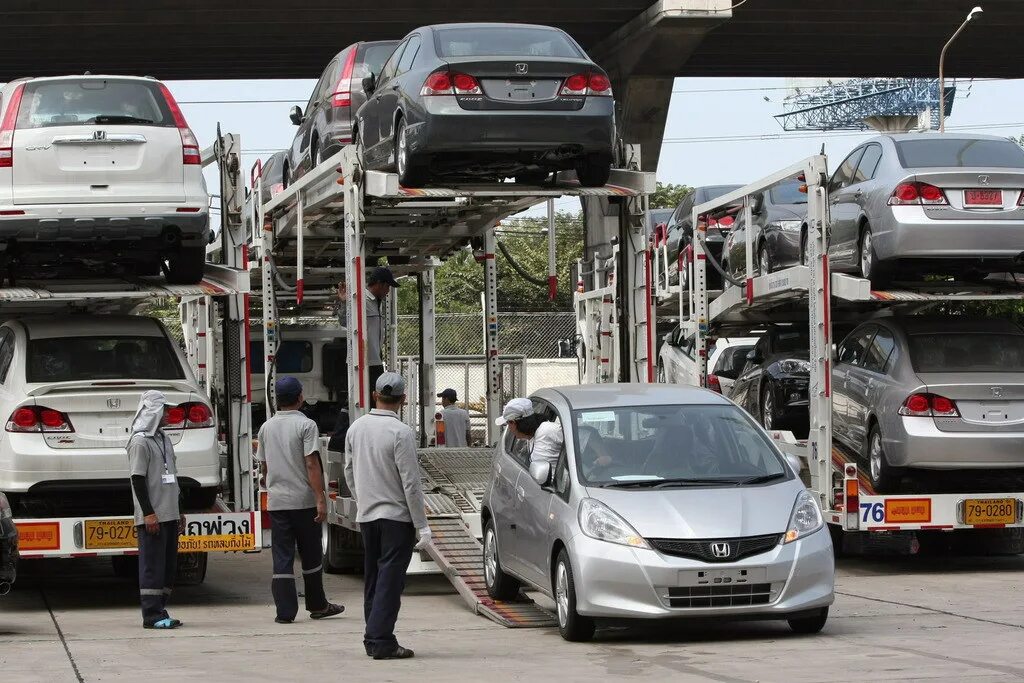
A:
(715, 512)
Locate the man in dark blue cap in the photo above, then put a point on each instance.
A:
(289, 455)
(379, 283)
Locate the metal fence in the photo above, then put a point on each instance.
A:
(532, 335)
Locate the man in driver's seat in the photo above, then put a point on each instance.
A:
(545, 438)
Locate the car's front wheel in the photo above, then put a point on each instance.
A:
(186, 266)
(409, 168)
(768, 418)
(500, 585)
(593, 171)
(810, 625)
(571, 624)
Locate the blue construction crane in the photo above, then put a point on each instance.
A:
(851, 104)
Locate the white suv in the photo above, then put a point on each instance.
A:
(101, 169)
(69, 387)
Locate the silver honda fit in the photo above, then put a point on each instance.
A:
(667, 501)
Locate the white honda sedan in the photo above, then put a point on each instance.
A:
(677, 364)
(69, 388)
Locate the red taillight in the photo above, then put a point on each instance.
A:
(437, 83)
(12, 212)
(726, 221)
(38, 419)
(190, 155)
(23, 418)
(199, 415)
(575, 85)
(714, 384)
(928, 405)
(600, 85)
(342, 96)
(466, 85)
(917, 193)
(51, 418)
(7, 127)
(187, 209)
(174, 416)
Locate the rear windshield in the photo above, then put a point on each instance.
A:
(950, 352)
(788, 193)
(93, 102)
(933, 153)
(504, 41)
(71, 359)
(372, 59)
(706, 194)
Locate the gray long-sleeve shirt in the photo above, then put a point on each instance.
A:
(382, 469)
(376, 326)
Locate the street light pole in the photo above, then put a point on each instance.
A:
(942, 63)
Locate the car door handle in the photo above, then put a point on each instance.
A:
(520, 492)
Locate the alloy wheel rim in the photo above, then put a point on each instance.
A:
(490, 558)
(763, 261)
(875, 458)
(562, 594)
(767, 410)
(865, 254)
(402, 151)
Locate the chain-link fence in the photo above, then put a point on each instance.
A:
(532, 335)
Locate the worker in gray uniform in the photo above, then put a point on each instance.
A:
(382, 471)
(158, 519)
(456, 420)
(289, 455)
(379, 283)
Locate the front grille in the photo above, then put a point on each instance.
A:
(736, 595)
(703, 549)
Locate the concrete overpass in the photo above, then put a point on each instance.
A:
(643, 45)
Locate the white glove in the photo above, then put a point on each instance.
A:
(425, 537)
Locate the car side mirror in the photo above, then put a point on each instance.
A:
(295, 114)
(758, 205)
(369, 84)
(541, 472)
(753, 357)
(794, 463)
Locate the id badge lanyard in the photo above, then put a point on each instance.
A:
(167, 477)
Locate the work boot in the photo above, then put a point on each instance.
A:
(398, 652)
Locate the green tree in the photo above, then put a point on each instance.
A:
(1019, 139)
(668, 196)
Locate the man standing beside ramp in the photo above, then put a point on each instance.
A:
(289, 455)
(456, 420)
(383, 473)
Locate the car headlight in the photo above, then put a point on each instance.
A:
(789, 226)
(5, 508)
(794, 367)
(806, 518)
(598, 521)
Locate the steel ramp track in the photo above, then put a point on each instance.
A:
(460, 556)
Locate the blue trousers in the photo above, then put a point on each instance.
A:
(388, 545)
(158, 563)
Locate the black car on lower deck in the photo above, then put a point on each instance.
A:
(8, 547)
(773, 385)
(488, 101)
(680, 229)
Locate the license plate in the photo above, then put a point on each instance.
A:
(982, 511)
(983, 197)
(717, 577)
(107, 534)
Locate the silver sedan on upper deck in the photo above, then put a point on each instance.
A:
(666, 501)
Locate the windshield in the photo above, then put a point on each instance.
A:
(788, 193)
(791, 341)
(93, 102)
(931, 153)
(72, 359)
(651, 445)
(952, 352)
(504, 41)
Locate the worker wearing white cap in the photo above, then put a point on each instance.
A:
(545, 438)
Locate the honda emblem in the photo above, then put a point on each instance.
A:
(721, 550)
(997, 392)
(99, 135)
(522, 68)
(983, 179)
(113, 403)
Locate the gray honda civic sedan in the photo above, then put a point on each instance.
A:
(666, 502)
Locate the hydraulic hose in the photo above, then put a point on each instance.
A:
(707, 253)
(538, 282)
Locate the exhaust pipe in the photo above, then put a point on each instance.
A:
(5, 587)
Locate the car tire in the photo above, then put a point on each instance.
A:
(572, 626)
(726, 282)
(871, 268)
(186, 266)
(803, 247)
(767, 412)
(286, 178)
(409, 168)
(191, 569)
(314, 153)
(883, 476)
(593, 171)
(810, 625)
(662, 375)
(343, 550)
(500, 586)
(764, 260)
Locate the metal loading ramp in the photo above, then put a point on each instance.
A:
(453, 482)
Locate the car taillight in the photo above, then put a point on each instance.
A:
(600, 85)
(199, 415)
(917, 193)
(714, 384)
(342, 96)
(7, 127)
(38, 419)
(575, 85)
(437, 83)
(928, 405)
(466, 85)
(190, 155)
(1020, 200)
(726, 221)
(174, 417)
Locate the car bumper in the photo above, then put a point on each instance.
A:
(615, 581)
(74, 223)
(912, 234)
(447, 127)
(917, 442)
(26, 461)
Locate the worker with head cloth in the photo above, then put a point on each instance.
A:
(158, 519)
(382, 471)
(456, 420)
(289, 455)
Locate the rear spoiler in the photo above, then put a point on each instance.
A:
(111, 385)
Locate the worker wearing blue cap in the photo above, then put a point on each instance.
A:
(289, 455)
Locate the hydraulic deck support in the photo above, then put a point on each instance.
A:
(428, 357)
(491, 334)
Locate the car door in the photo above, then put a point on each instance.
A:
(875, 381)
(533, 528)
(391, 94)
(677, 235)
(300, 143)
(850, 353)
(745, 390)
(856, 383)
(316, 118)
(862, 186)
(508, 466)
(371, 115)
(844, 210)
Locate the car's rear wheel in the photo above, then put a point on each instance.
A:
(593, 171)
(186, 266)
(571, 624)
(871, 268)
(764, 260)
(314, 154)
(810, 625)
(500, 585)
(343, 550)
(410, 169)
(884, 476)
(803, 247)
